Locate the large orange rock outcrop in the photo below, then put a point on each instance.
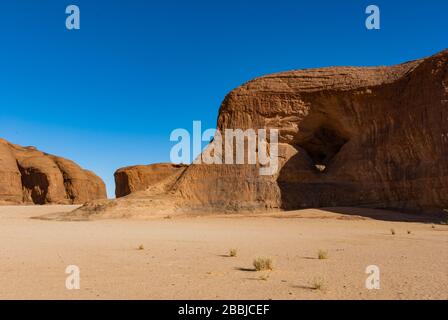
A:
(31, 176)
(349, 136)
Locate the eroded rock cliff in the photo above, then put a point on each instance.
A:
(31, 176)
(349, 136)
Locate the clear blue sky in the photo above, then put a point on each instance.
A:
(109, 94)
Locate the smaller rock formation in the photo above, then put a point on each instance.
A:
(141, 177)
(30, 176)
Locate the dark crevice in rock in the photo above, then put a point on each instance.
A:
(322, 146)
(303, 179)
(35, 185)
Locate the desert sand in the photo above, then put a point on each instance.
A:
(187, 257)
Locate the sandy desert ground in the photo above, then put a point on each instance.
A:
(187, 258)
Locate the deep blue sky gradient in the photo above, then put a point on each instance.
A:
(109, 95)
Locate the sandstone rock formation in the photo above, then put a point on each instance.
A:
(31, 176)
(139, 178)
(349, 136)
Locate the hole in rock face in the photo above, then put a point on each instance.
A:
(321, 138)
(322, 146)
(320, 167)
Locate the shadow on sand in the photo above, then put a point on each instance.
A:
(386, 215)
(246, 269)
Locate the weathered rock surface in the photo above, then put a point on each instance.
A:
(349, 136)
(31, 176)
(139, 178)
(10, 182)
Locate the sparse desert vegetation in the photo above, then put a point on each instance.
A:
(141, 247)
(233, 252)
(322, 254)
(318, 283)
(262, 264)
(264, 277)
(392, 231)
